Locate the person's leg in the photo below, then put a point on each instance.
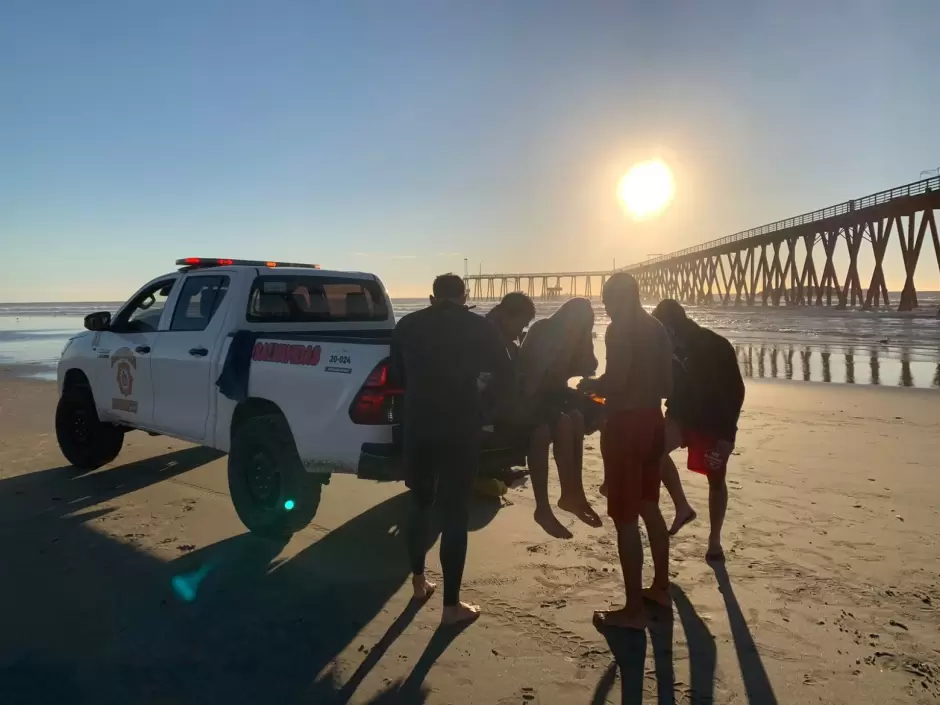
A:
(684, 513)
(563, 450)
(630, 550)
(572, 497)
(624, 490)
(659, 547)
(420, 480)
(651, 436)
(458, 467)
(717, 506)
(577, 444)
(537, 459)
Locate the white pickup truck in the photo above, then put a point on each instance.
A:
(282, 366)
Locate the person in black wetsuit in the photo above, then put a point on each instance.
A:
(442, 354)
(701, 415)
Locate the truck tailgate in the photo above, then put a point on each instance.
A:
(314, 380)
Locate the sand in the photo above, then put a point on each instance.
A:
(830, 593)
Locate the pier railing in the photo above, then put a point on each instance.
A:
(913, 189)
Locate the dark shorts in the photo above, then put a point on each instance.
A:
(632, 444)
(549, 407)
(440, 468)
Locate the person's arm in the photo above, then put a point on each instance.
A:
(666, 362)
(619, 361)
(735, 381)
(496, 361)
(585, 363)
(727, 387)
(396, 363)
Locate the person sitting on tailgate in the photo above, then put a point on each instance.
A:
(555, 350)
(517, 424)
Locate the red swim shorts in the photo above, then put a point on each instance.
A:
(632, 444)
(704, 454)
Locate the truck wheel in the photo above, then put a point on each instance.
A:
(86, 442)
(273, 494)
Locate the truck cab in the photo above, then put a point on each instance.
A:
(311, 339)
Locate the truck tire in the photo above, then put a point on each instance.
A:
(86, 442)
(274, 496)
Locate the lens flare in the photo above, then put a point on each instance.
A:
(646, 189)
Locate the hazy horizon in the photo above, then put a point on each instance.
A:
(401, 139)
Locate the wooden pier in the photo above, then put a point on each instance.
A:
(791, 262)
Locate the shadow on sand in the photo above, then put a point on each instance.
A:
(87, 619)
(629, 650)
(756, 683)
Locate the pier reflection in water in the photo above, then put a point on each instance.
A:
(840, 365)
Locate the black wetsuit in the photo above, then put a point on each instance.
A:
(708, 391)
(440, 353)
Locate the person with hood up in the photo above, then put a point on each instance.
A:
(556, 349)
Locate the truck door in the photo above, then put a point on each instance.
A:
(123, 387)
(183, 357)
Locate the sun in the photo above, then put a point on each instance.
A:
(646, 189)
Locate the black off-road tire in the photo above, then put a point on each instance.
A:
(265, 474)
(86, 442)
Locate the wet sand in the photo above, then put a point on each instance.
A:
(830, 592)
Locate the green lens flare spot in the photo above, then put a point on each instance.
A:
(289, 504)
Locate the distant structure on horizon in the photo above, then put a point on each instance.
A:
(787, 263)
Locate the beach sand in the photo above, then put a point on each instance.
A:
(830, 593)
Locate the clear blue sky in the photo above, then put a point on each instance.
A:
(401, 137)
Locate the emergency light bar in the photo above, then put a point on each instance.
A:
(207, 262)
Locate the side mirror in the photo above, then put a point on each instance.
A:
(98, 321)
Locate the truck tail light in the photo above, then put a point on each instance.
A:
(378, 400)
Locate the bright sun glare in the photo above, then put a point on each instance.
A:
(646, 189)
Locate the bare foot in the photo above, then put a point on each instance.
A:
(582, 509)
(657, 595)
(460, 614)
(715, 554)
(548, 521)
(603, 489)
(423, 588)
(621, 619)
(682, 518)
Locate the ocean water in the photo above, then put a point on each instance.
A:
(806, 344)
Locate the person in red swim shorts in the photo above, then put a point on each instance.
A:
(701, 415)
(637, 379)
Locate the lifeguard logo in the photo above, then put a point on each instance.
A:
(286, 354)
(125, 363)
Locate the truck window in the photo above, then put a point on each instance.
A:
(142, 315)
(306, 299)
(198, 302)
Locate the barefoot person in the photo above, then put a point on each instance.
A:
(702, 415)
(440, 354)
(637, 379)
(555, 350)
(517, 424)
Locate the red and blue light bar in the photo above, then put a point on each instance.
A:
(208, 262)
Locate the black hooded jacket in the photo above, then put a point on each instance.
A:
(708, 391)
(439, 354)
